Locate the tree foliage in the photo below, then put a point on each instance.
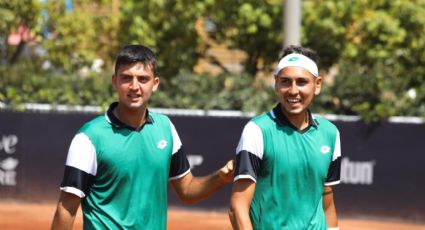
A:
(169, 28)
(371, 52)
(224, 92)
(79, 36)
(40, 86)
(378, 49)
(15, 13)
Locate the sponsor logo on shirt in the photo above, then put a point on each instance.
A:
(161, 144)
(325, 149)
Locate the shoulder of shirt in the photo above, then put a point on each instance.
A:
(94, 123)
(323, 122)
(263, 121)
(158, 116)
(262, 117)
(94, 127)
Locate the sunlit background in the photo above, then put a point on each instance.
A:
(216, 60)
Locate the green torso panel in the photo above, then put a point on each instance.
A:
(293, 171)
(130, 187)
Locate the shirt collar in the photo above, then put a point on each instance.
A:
(113, 120)
(282, 120)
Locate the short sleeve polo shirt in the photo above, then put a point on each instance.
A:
(290, 168)
(122, 174)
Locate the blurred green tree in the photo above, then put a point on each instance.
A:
(82, 34)
(16, 17)
(376, 49)
(371, 52)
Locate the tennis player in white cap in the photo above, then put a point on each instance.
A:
(288, 159)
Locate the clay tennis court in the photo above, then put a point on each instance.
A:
(16, 216)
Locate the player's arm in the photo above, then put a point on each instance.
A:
(333, 178)
(248, 165)
(80, 169)
(192, 189)
(329, 208)
(65, 211)
(240, 202)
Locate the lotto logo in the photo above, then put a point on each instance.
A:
(325, 149)
(161, 144)
(293, 59)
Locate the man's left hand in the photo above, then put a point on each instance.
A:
(226, 172)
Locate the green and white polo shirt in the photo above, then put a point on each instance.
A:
(122, 174)
(290, 168)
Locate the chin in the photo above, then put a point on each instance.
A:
(133, 105)
(136, 106)
(296, 111)
(291, 107)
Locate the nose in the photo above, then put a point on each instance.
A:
(134, 84)
(293, 89)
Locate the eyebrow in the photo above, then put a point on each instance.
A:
(296, 77)
(124, 75)
(129, 75)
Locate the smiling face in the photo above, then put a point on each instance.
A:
(134, 84)
(296, 88)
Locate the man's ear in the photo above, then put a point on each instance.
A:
(156, 83)
(275, 82)
(318, 85)
(114, 81)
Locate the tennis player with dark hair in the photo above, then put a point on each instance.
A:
(119, 164)
(288, 159)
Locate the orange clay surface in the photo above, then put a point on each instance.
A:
(15, 216)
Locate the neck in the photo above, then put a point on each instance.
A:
(132, 117)
(300, 121)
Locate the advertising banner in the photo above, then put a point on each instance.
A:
(381, 172)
